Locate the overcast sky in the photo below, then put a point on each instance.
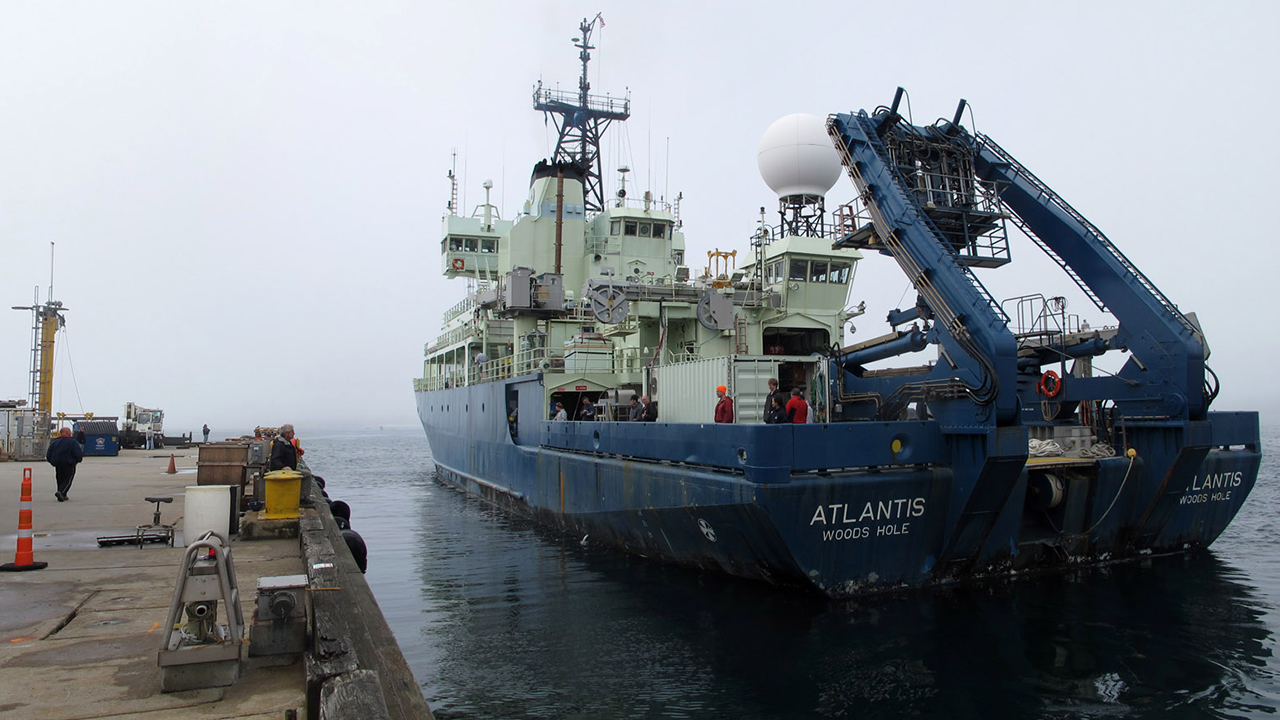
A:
(246, 197)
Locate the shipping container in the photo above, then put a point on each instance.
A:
(687, 391)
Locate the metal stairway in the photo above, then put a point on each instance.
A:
(1046, 195)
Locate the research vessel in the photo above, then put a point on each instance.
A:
(1009, 448)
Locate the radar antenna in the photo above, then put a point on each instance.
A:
(582, 119)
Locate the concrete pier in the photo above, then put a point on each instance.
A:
(80, 638)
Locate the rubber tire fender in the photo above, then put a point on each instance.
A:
(356, 545)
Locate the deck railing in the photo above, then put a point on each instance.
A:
(536, 360)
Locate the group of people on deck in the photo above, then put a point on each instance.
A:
(641, 410)
(779, 408)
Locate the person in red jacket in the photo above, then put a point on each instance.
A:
(797, 408)
(724, 408)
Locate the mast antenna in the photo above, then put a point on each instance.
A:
(582, 119)
(453, 184)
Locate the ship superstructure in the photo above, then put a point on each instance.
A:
(1003, 450)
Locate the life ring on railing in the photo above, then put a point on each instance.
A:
(1050, 384)
(459, 263)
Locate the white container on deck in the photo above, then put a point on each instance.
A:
(208, 507)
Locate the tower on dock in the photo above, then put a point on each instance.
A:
(46, 320)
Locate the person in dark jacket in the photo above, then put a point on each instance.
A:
(724, 408)
(774, 392)
(284, 455)
(636, 409)
(587, 412)
(650, 411)
(777, 412)
(63, 454)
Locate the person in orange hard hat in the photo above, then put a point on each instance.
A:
(724, 408)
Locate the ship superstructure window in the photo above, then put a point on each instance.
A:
(773, 272)
(488, 245)
(455, 244)
(469, 244)
(839, 272)
(631, 227)
(659, 230)
(799, 270)
(817, 272)
(644, 229)
(615, 227)
(677, 256)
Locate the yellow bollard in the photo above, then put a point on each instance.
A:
(283, 491)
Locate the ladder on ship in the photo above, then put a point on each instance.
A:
(741, 345)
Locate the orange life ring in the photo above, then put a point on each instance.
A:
(458, 263)
(1050, 384)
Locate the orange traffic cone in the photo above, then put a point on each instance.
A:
(24, 559)
(172, 467)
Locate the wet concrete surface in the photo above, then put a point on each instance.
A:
(80, 639)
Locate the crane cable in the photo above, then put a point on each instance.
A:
(66, 343)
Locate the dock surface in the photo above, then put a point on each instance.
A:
(80, 638)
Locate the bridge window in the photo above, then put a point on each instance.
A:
(644, 229)
(773, 272)
(615, 227)
(799, 271)
(839, 272)
(488, 245)
(817, 272)
(469, 244)
(455, 244)
(659, 230)
(629, 228)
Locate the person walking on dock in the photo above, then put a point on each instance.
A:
(151, 439)
(724, 408)
(63, 454)
(284, 455)
(206, 432)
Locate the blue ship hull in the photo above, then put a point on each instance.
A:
(846, 508)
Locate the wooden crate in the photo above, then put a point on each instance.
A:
(220, 473)
(224, 452)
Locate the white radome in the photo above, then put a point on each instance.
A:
(796, 157)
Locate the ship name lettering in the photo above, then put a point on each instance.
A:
(1217, 481)
(853, 533)
(1204, 497)
(897, 509)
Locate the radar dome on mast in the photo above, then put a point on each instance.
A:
(799, 162)
(796, 157)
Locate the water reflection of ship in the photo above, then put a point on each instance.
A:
(1173, 633)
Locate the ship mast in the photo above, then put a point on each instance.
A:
(581, 121)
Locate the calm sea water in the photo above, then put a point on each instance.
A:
(500, 619)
